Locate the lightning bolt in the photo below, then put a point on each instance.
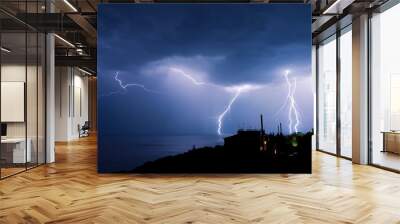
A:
(227, 109)
(293, 112)
(293, 105)
(237, 90)
(186, 75)
(125, 86)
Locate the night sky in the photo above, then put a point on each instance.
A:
(180, 65)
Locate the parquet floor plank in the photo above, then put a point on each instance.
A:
(71, 191)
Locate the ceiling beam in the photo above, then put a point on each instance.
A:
(86, 26)
(81, 61)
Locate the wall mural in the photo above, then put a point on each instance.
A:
(204, 88)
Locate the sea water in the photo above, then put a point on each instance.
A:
(130, 152)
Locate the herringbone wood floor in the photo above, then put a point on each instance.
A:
(70, 191)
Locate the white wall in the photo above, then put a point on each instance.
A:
(80, 103)
(14, 72)
(314, 77)
(33, 127)
(62, 82)
(17, 73)
(71, 102)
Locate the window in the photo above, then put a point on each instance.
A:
(385, 88)
(22, 88)
(346, 92)
(327, 95)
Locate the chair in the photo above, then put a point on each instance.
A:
(84, 130)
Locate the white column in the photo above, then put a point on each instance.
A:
(360, 90)
(314, 78)
(50, 99)
(50, 92)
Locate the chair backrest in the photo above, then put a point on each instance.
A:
(86, 125)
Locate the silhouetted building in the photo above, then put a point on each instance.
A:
(249, 140)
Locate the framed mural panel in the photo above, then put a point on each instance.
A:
(204, 88)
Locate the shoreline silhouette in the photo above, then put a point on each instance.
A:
(249, 151)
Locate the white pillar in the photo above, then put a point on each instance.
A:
(360, 90)
(314, 78)
(50, 91)
(50, 99)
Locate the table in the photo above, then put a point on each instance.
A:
(15, 148)
(391, 141)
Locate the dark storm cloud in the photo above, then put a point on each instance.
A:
(255, 41)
